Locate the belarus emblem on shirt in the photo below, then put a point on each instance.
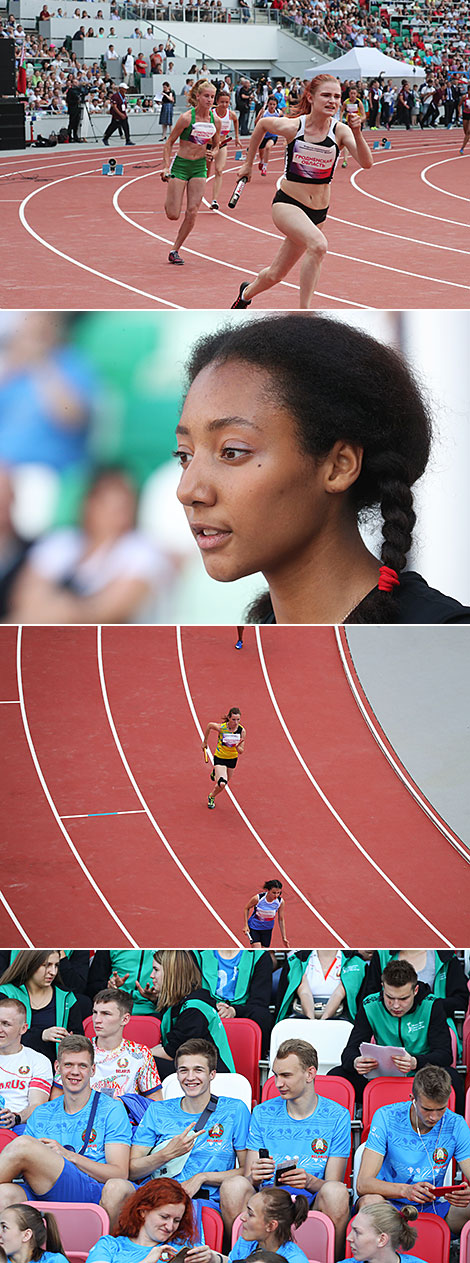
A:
(216, 1132)
(319, 1145)
(24, 1069)
(122, 1063)
(91, 1137)
(440, 1157)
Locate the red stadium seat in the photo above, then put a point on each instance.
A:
(213, 1226)
(466, 1047)
(5, 1137)
(143, 1029)
(467, 1106)
(81, 1224)
(316, 1237)
(244, 1037)
(465, 1244)
(387, 1091)
(432, 1243)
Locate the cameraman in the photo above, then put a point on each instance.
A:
(74, 99)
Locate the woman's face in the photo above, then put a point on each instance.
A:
(205, 98)
(253, 499)
(327, 98)
(234, 720)
(156, 976)
(12, 1238)
(363, 1238)
(44, 975)
(254, 1220)
(162, 1224)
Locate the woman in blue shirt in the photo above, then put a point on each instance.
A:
(27, 1234)
(378, 1231)
(159, 1212)
(268, 1220)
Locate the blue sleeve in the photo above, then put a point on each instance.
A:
(256, 1139)
(149, 1129)
(240, 1249)
(377, 1139)
(462, 1139)
(118, 1129)
(105, 1248)
(341, 1139)
(33, 1125)
(241, 1127)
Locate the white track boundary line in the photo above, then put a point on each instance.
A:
(445, 192)
(426, 807)
(73, 161)
(245, 819)
(51, 802)
(11, 914)
(332, 809)
(145, 805)
(15, 702)
(407, 210)
(398, 236)
(68, 257)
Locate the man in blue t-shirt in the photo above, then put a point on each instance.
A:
(169, 1140)
(306, 1131)
(409, 1148)
(74, 1149)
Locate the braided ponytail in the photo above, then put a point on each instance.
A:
(398, 520)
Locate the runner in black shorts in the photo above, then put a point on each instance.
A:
(260, 915)
(230, 743)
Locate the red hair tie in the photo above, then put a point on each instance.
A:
(388, 579)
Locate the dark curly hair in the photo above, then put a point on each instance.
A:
(339, 383)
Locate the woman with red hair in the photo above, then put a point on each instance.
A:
(313, 144)
(159, 1212)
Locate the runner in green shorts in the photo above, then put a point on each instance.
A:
(197, 130)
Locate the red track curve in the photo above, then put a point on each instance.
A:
(84, 773)
(104, 243)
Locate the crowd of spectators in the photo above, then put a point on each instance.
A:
(88, 1120)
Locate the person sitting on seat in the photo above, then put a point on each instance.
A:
(25, 1075)
(123, 1069)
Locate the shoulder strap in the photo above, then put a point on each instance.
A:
(91, 1119)
(206, 1113)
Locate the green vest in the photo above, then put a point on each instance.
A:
(352, 976)
(216, 1030)
(209, 968)
(64, 1001)
(295, 971)
(409, 1031)
(139, 967)
(439, 984)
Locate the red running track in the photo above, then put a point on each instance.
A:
(108, 836)
(399, 235)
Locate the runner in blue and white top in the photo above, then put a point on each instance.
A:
(301, 202)
(409, 1149)
(260, 915)
(270, 139)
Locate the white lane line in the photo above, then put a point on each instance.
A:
(51, 802)
(407, 210)
(445, 192)
(11, 914)
(15, 702)
(69, 258)
(244, 817)
(145, 805)
(398, 236)
(332, 809)
(440, 824)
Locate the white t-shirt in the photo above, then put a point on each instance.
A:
(21, 1071)
(59, 557)
(320, 985)
(129, 1068)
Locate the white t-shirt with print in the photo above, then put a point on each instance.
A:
(21, 1071)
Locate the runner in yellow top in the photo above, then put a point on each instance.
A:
(230, 743)
(350, 107)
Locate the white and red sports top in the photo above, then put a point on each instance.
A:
(311, 161)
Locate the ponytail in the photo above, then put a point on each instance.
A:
(289, 1213)
(44, 1229)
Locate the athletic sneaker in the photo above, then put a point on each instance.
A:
(460, 150)
(344, 162)
(263, 168)
(210, 802)
(105, 142)
(174, 257)
(214, 205)
(240, 301)
(239, 644)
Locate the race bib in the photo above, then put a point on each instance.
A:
(312, 161)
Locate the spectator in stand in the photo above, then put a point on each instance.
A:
(111, 54)
(242, 103)
(25, 1075)
(123, 1069)
(156, 1215)
(409, 1148)
(26, 1235)
(442, 971)
(156, 61)
(140, 70)
(103, 570)
(127, 970)
(404, 102)
(203, 1158)
(127, 63)
(186, 1010)
(267, 1223)
(33, 978)
(74, 100)
(284, 1126)
(377, 1232)
(74, 1149)
(240, 983)
(403, 1014)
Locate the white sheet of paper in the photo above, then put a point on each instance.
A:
(382, 1054)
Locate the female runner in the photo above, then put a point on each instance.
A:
(227, 117)
(260, 915)
(230, 743)
(196, 129)
(313, 144)
(269, 139)
(329, 422)
(379, 1231)
(465, 118)
(26, 1234)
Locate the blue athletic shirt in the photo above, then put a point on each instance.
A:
(311, 1141)
(409, 1158)
(47, 1256)
(122, 1250)
(227, 975)
(110, 1126)
(225, 1131)
(289, 1250)
(404, 1258)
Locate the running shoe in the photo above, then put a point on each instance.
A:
(460, 150)
(214, 205)
(240, 301)
(105, 142)
(263, 168)
(239, 644)
(344, 162)
(210, 803)
(174, 257)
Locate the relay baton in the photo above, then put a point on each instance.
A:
(238, 190)
(206, 756)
